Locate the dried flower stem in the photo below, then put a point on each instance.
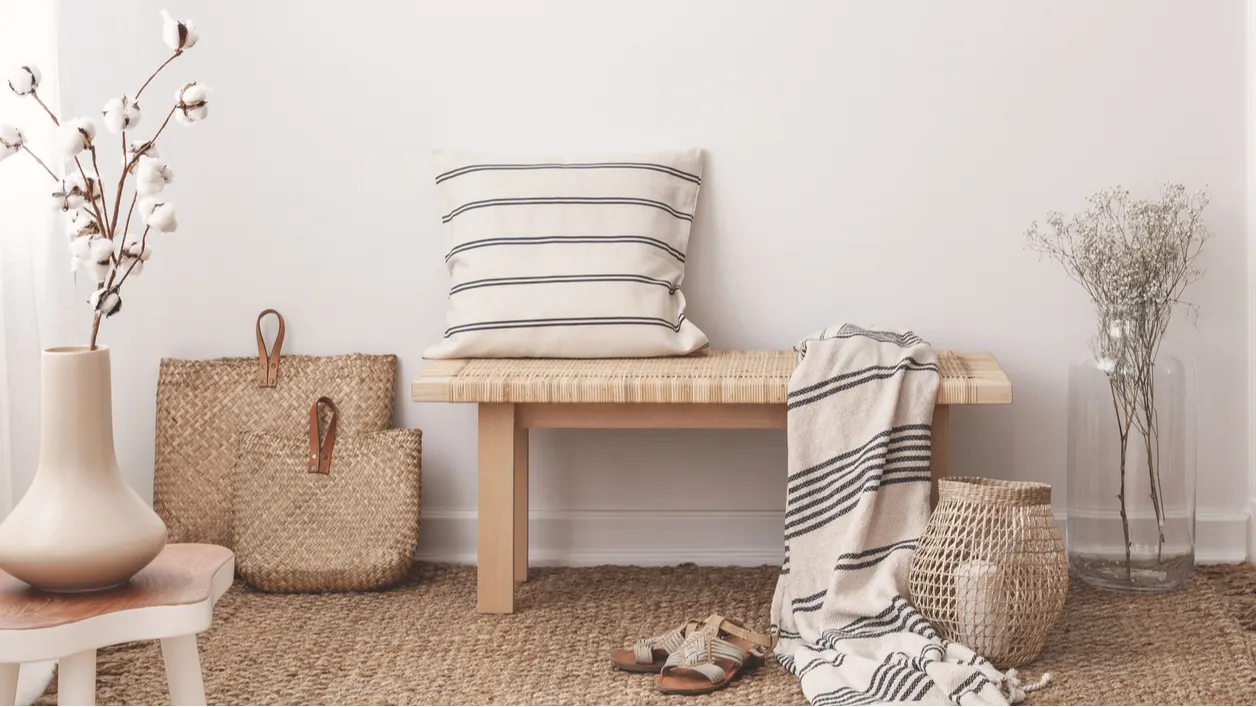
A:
(1134, 259)
(104, 200)
(41, 103)
(126, 229)
(137, 261)
(91, 197)
(55, 178)
(174, 56)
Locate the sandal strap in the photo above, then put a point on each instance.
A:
(643, 649)
(699, 651)
(736, 627)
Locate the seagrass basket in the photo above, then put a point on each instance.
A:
(990, 571)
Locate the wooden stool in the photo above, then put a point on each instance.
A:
(172, 600)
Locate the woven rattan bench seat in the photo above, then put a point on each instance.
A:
(710, 389)
(714, 376)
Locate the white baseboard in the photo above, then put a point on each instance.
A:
(745, 538)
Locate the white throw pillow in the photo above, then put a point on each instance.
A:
(567, 256)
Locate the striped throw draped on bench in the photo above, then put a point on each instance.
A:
(860, 407)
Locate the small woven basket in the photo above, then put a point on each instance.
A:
(990, 571)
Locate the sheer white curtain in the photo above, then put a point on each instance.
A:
(36, 289)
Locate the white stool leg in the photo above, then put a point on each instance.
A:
(183, 670)
(76, 679)
(8, 683)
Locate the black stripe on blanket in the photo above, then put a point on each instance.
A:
(565, 240)
(899, 616)
(890, 436)
(568, 165)
(841, 505)
(875, 466)
(850, 331)
(869, 376)
(566, 321)
(908, 448)
(561, 280)
(565, 200)
(869, 558)
(814, 663)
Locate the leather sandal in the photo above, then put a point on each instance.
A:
(709, 658)
(648, 655)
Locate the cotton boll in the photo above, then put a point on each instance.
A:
(23, 80)
(121, 114)
(192, 103)
(73, 191)
(134, 254)
(158, 214)
(11, 141)
(82, 223)
(77, 135)
(93, 255)
(136, 150)
(152, 175)
(178, 35)
(106, 301)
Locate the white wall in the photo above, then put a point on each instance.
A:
(877, 162)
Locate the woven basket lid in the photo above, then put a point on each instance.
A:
(974, 489)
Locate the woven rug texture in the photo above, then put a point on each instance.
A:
(423, 643)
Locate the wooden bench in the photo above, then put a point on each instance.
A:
(713, 389)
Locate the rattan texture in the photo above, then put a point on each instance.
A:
(711, 376)
(354, 528)
(203, 406)
(990, 571)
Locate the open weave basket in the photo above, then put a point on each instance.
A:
(990, 571)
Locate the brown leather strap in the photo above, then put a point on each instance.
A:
(320, 452)
(268, 361)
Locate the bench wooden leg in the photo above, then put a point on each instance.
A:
(939, 454)
(521, 503)
(495, 512)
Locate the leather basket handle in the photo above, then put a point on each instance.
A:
(268, 361)
(320, 451)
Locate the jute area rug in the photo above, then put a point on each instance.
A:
(424, 644)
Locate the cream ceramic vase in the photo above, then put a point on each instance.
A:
(80, 526)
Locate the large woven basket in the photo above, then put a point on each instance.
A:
(349, 522)
(990, 571)
(203, 406)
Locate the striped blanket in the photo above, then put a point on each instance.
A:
(860, 407)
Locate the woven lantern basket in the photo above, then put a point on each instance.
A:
(990, 571)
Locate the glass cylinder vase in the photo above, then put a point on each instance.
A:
(1131, 472)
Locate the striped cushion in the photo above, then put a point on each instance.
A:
(566, 256)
